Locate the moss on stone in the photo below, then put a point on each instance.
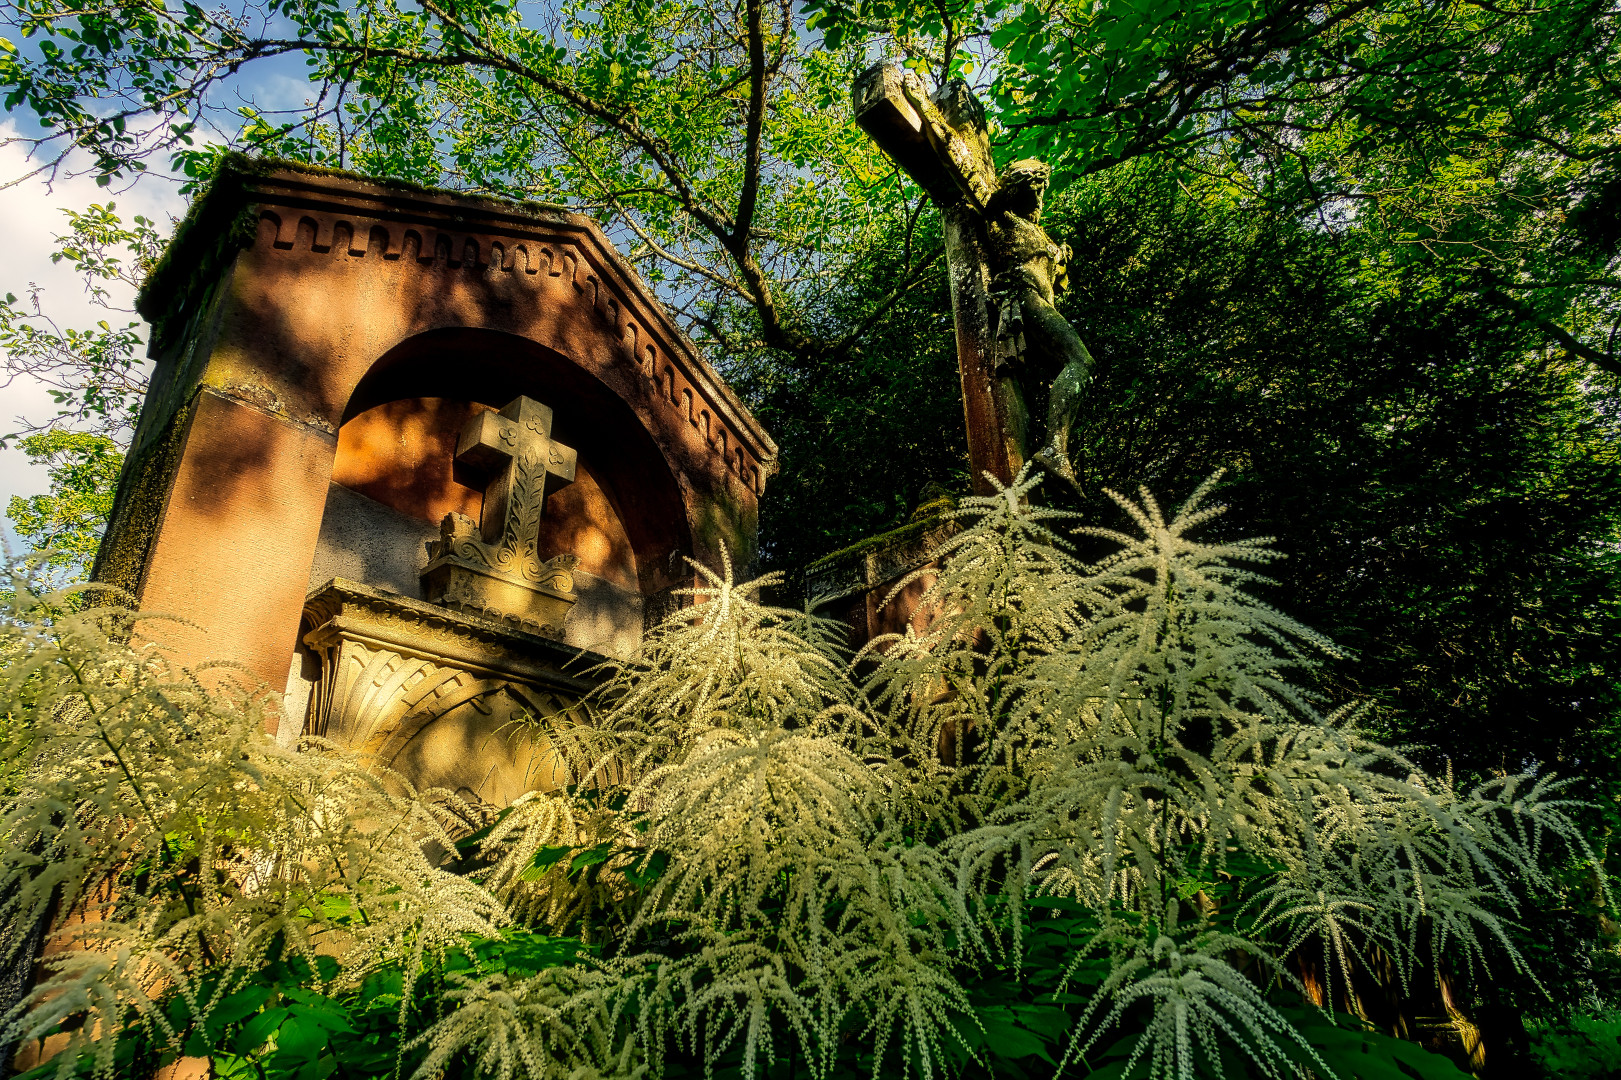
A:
(264, 166)
(143, 495)
(908, 533)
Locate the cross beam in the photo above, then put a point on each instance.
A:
(514, 450)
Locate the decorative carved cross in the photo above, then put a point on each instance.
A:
(515, 451)
(941, 142)
(495, 568)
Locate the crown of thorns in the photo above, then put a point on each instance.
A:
(1027, 172)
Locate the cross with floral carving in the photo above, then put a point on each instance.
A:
(514, 453)
(494, 568)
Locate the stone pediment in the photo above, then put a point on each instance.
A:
(426, 260)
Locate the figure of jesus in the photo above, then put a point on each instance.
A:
(1035, 344)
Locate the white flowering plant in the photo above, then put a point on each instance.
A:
(1086, 822)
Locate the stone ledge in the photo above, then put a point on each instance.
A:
(877, 560)
(418, 628)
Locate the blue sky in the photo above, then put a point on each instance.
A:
(30, 217)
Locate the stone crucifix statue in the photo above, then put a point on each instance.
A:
(1022, 364)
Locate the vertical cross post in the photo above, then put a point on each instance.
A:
(940, 141)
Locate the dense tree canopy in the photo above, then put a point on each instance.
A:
(1362, 254)
(715, 136)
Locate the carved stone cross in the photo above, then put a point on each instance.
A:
(941, 142)
(495, 568)
(514, 449)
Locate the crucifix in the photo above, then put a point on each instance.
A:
(1014, 350)
(494, 568)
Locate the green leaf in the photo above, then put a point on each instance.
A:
(647, 870)
(302, 1037)
(1005, 1038)
(236, 1007)
(257, 1032)
(591, 856)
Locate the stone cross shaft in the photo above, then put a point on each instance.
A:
(515, 450)
(940, 141)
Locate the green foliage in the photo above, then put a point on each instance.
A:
(1026, 1011)
(1448, 486)
(290, 1019)
(1084, 815)
(67, 522)
(1450, 489)
(716, 142)
(1584, 1047)
(1458, 134)
(1086, 800)
(175, 846)
(860, 439)
(1361, 255)
(95, 375)
(710, 140)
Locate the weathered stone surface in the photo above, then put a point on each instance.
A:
(313, 330)
(365, 540)
(443, 698)
(232, 550)
(497, 568)
(859, 585)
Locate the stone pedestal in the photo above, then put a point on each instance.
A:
(448, 699)
(470, 576)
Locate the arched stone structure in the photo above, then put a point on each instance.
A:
(621, 455)
(299, 314)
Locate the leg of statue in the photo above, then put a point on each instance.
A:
(1051, 335)
(1063, 403)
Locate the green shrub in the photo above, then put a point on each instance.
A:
(1078, 823)
(1585, 1047)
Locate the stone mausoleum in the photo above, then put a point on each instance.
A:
(419, 460)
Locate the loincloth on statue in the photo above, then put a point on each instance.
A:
(1020, 333)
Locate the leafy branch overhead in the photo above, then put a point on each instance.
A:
(96, 376)
(66, 523)
(717, 148)
(1479, 137)
(716, 138)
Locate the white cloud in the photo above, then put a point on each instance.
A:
(30, 217)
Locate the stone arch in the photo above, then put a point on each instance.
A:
(266, 345)
(488, 368)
